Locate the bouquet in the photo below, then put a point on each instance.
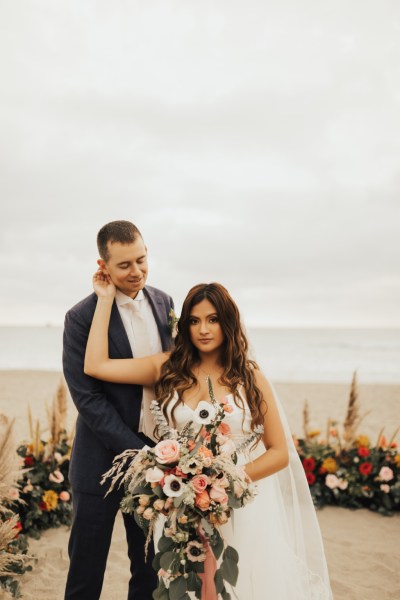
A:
(191, 481)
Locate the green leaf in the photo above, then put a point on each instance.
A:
(225, 595)
(178, 588)
(161, 593)
(165, 544)
(230, 571)
(217, 544)
(219, 582)
(194, 582)
(208, 528)
(231, 553)
(167, 560)
(156, 562)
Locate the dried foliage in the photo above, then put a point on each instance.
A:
(306, 420)
(8, 532)
(9, 463)
(57, 416)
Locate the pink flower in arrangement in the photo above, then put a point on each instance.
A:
(13, 493)
(64, 496)
(331, 481)
(386, 474)
(167, 451)
(56, 476)
(218, 494)
(385, 488)
(227, 407)
(200, 483)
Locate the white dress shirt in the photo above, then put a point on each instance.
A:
(123, 303)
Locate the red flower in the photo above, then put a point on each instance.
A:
(363, 451)
(42, 505)
(310, 478)
(309, 464)
(365, 468)
(322, 471)
(28, 461)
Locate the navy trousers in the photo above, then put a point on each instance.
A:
(89, 543)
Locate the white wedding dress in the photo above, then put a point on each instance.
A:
(277, 536)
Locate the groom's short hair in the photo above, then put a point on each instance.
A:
(122, 232)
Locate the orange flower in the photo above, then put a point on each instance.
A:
(202, 500)
(330, 465)
(362, 440)
(397, 460)
(205, 452)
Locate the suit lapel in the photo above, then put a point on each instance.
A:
(117, 335)
(158, 307)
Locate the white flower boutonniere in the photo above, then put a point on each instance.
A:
(172, 323)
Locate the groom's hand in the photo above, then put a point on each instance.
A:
(102, 285)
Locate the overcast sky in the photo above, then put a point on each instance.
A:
(254, 143)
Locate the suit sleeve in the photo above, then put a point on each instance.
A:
(88, 394)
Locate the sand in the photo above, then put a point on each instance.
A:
(362, 547)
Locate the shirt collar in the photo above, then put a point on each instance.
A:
(121, 299)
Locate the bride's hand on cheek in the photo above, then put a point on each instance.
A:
(102, 285)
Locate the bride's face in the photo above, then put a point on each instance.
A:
(205, 329)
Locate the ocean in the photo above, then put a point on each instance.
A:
(319, 355)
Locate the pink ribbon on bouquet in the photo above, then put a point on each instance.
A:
(208, 591)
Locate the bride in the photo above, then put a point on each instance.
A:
(281, 555)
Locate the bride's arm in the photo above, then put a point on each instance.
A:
(142, 371)
(277, 455)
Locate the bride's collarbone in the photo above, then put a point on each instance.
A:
(200, 392)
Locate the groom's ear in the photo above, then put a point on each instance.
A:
(102, 264)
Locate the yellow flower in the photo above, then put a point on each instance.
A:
(362, 440)
(51, 499)
(313, 432)
(397, 460)
(330, 465)
(32, 448)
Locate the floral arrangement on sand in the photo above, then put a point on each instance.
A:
(44, 488)
(13, 544)
(189, 483)
(347, 469)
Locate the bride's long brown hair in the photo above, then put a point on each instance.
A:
(238, 370)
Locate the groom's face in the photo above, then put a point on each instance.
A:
(127, 266)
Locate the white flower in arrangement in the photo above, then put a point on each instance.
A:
(204, 413)
(154, 475)
(173, 486)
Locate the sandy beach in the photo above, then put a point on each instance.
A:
(361, 547)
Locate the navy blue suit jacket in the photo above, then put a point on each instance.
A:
(109, 413)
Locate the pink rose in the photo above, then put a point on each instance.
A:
(202, 500)
(224, 428)
(56, 477)
(218, 494)
(64, 496)
(154, 475)
(386, 474)
(199, 483)
(167, 451)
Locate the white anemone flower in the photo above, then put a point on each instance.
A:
(204, 413)
(173, 486)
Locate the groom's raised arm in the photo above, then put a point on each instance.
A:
(88, 394)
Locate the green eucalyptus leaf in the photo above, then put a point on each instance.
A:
(178, 588)
(229, 571)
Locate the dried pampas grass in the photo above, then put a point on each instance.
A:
(10, 468)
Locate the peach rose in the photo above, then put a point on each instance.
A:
(64, 496)
(148, 513)
(199, 483)
(159, 504)
(205, 452)
(167, 451)
(218, 494)
(202, 500)
(227, 408)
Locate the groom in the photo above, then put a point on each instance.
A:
(109, 413)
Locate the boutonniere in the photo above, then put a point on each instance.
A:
(172, 323)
